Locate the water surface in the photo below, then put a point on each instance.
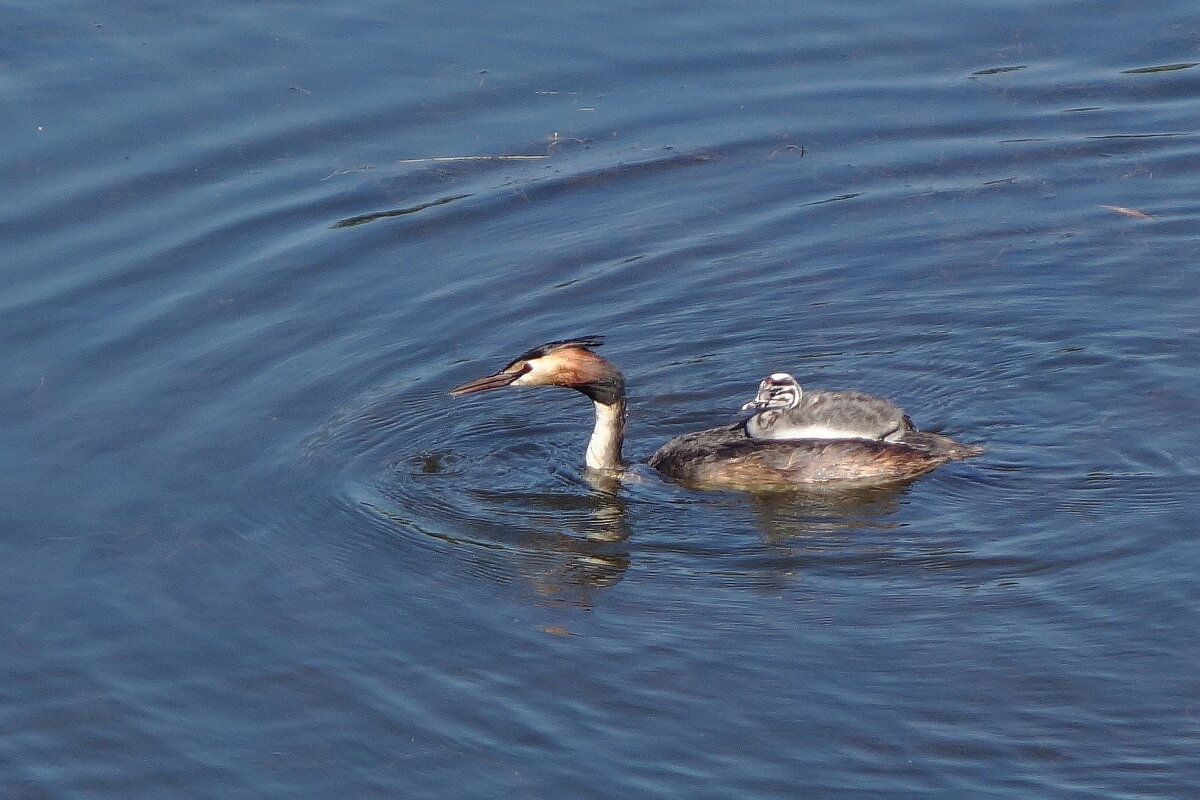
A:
(254, 550)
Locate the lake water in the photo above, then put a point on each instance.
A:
(252, 550)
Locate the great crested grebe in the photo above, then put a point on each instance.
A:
(785, 411)
(726, 456)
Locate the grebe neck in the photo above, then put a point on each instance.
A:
(604, 448)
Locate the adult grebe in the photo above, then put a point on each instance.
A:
(718, 457)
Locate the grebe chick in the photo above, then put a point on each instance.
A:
(785, 411)
(722, 457)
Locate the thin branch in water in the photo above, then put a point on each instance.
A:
(347, 171)
(350, 222)
(445, 159)
(1129, 212)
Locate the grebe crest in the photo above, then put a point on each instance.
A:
(567, 362)
(571, 364)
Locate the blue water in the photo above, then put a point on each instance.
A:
(253, 550)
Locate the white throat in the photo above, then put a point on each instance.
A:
(604, 448)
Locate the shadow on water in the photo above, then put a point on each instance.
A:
(783, 516)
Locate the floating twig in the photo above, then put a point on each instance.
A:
(1129, 212)
(1161, 68)
(350, 222)
(347, 171)
(445, 159)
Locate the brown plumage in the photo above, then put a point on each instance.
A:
(725, 456)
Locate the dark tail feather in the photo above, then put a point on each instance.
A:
(937, 445)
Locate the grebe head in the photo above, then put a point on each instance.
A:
(568, 362)
(778, 392)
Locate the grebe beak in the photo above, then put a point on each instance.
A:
(497, 381)
(756, 405)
